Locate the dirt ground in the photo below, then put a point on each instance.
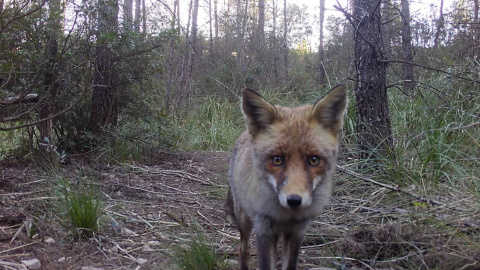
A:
(152, 209)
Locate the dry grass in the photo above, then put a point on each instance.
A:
(149, 211)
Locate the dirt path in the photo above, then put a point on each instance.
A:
(151, 209)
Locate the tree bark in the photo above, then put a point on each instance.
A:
(46, 139)
(144, 17)
(191, 54)
(171, 57)
(127, 15)
(138, 15)
(321, 52)
(408, 77)
(388, 12)
(104, 96)
(440, 24)
(261, 20)
(475, 30)
(285, 42)
(275, 46)
(210, 23)
(216, 18)
(373, 122)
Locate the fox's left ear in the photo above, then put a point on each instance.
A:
(259, 113)
(329, 110)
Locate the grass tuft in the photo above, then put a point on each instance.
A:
(198, 255)
(81, 209)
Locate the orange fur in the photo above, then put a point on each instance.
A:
(281, 173)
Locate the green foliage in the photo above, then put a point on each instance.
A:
(435, 140)
(80, 207)
(213, 124)
(13, 144)
(198, 255)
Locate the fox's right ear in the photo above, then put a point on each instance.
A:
(259, 113)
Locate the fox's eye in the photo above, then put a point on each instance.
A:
(314, 160)
(277, 160)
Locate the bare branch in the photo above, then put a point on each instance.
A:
(29, 98)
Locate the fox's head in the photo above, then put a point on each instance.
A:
(296, 148)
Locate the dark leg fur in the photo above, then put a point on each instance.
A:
(230, 208)
(245, 233)
(291, 248)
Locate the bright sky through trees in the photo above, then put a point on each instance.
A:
(419, 9)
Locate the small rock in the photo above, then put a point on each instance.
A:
(153, 243)
(49, 240)
(32, 264)
(142, 261)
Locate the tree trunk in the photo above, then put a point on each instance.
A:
(104, 99)
(210, 26)
(321, 52)
(475, 30)
(144, 17)
(216, 18)
(408, 78)
(261, 20)
(127, 15)
(275, 45)
(191, 55)
(440, 24)
(373, 122)
(388, 13)
(171, 57)
(46, 139)
(138, 15)
(285, 42)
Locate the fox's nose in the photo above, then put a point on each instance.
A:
(294, 200)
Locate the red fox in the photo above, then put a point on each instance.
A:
(281, 173)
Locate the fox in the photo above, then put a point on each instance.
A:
(281, 173)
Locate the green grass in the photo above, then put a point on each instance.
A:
(430, 138)
(198, 255)
(80, 208)
(214, 124)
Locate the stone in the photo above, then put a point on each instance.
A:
(142, 261)
(32, 264)
(49, 240)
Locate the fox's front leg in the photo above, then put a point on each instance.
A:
(245, 232)
(291, 244)
(266, 250)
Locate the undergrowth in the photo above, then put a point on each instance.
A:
(80, 207)
(199, 254)
(214, 124)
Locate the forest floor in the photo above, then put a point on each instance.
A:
(151, 210)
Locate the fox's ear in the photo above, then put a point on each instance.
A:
(330, 109)
(259, 113)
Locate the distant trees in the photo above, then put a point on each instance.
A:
(69, 76)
